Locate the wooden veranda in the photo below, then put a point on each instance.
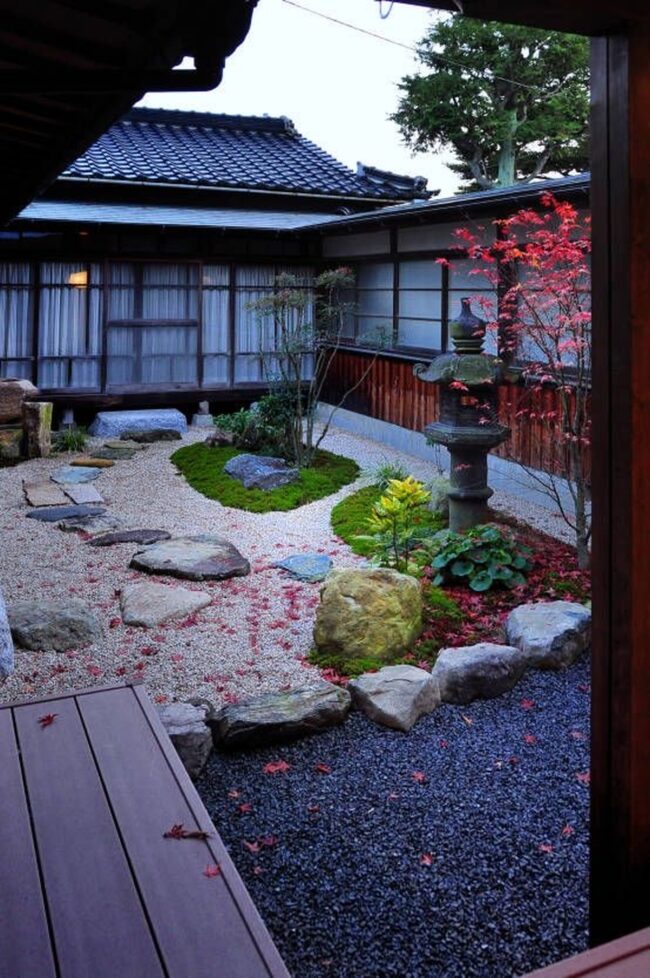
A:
(89, 785)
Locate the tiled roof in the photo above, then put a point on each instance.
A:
(230, 152)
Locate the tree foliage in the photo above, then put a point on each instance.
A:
(511, 101)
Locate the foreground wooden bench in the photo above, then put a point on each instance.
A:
(89, 887)
(628, 957)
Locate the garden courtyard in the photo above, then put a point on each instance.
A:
(460, 847)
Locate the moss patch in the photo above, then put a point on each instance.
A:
(202, 466)
(349, 517)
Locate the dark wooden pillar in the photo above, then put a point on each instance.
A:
(620, 875)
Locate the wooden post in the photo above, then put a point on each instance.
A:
(620, 871)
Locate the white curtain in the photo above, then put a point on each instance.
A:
(69, 324)
(15, 318)
(253, 332)
(169, 292)
(216, 340)
(121, 291)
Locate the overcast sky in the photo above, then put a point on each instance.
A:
(338, 85)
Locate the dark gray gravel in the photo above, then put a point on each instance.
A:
(343, 890)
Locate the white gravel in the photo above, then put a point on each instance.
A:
(253, 636)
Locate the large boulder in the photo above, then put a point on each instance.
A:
(261, 471)
(279, 717)
(112, 424)
(37, 422)
(396, 696)
(188, 732)
(220, 438)
(198, 558)
(53, 625)
(6, 642)
(13, 392)
(480, 671)
(552, 634)
(147, 604)
(368, 612)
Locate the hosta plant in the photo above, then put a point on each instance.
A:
(397, 530)
(484, 557)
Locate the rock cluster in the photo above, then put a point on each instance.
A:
(261, 471)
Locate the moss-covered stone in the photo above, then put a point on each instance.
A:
(471, 369)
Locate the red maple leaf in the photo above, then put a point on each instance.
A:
(527, 704)
(233, 793)
(426, 859)
(245, 808)
(443, 743)
(567, 831)
(257, 870)
(269, 840)
(419, 776)
(212, 871)
(176, 832)
(584, 777)
(253, 847)
(47, 719)
(276, 767)
(322, 769)
(530, 739)
(545, 847)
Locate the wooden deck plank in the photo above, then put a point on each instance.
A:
(25, 947)
(206, 928)
(627, 957)
(98, 924)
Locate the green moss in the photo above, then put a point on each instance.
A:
(203, 466)
(349, 517)
(345, 666)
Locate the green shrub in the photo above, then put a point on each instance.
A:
(483, 557)
(203, 467)
(264, 427)
(385, 472)
(69, 440)
(350, 515)
(395, 532)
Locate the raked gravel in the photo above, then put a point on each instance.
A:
(253, 636)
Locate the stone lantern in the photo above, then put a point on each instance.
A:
(467, 426)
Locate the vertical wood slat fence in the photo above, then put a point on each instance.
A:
(390, 392)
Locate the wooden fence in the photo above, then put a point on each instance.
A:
(390, 392)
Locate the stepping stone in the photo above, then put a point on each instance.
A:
(186, 727)
(553, 634)
(306, 567)
(53, 625)
(129, 536)
(112, 424)
(6, 643)
(147, 604)
(114, 454)
(197, 558)
(93, 462)
(261, 471)
(92, 525)
(481, 671)
(123, 445)
(44, 494)
(71, 475)
(396, 696)
(279, 717)
(84, 493)
(54, 514)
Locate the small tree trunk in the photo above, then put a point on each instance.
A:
(507, 158)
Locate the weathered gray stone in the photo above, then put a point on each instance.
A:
(202, 421)
(307, 567)
(114, 454)
(147, 604)
(53, 514)
(552, 633)
(279, 717)
(6, 643)
(91, 525)
(11, 443)
(220, 438)
(37, 422)
(13, 392)
(197, 558)
(480, 671)
(129, 536)
(365, 612)
(439, 502)
(73, 475)
(150, 435)
(396, 696)
(188, 732)
(112, 424)
(54, 625)
(123, 445)
(261, 471)
(85, 492)
(44, 494)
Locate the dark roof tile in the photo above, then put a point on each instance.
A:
(230, 152)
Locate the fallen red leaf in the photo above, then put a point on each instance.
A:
(212, 871)
(233, 793)
(443, 743)
(567, 831)
(527, 704)
(276, 767)
(253, 847)
(584, 777)
(419, 776)
(313, 809)
(322, 769)
(47, 719)
(545, 847)
(269, 840)
(468, 720)
(257, 870)
(426, 859)
(530, 739)
(180, 832)
(245, 808)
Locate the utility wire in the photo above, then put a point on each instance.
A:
(407, 47)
